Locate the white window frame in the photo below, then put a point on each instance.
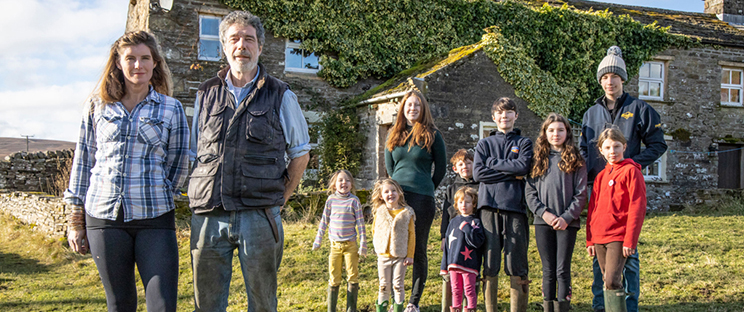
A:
(661, 163)
(313, 118)
(208, 37)
(730, 86)
(486, 126)
(290, 44)
(652, 80)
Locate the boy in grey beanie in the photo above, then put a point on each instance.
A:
(640, 124)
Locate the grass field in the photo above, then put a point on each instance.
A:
(690, 261)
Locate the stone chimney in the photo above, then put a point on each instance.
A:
(730, 11)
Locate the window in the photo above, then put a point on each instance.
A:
(731, 87)
(210, 48)
(299, 60)
(313, 124)
(656, 172)
(486, 127)
(651, 81)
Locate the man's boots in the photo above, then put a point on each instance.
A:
(615, 300)
(332, 298)
(446, 295)
(351, 297)
(548, 306)
(561, 306)
(381, 307)
(519, 294)
(491, 293)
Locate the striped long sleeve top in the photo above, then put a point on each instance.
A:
(343, 218)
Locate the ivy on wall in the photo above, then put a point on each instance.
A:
(342, 142)
(379, 38)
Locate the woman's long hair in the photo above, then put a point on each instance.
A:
(571, 159)
(423, 131)
(111, 86)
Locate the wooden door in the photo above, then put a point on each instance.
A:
(729, 166)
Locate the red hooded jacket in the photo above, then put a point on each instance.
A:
(617, 205)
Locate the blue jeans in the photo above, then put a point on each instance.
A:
(631, 281)
(214, 237)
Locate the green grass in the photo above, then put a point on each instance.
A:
(690, 261)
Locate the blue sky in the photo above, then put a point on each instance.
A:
(53, 51)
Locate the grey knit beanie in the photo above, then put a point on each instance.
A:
(612, 63)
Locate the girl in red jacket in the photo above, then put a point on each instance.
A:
(615, 217)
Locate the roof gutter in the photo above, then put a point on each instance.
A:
(382, 98)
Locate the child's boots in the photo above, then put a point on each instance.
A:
(351, 297)
(614, 300)
(332, 298)
(519, 294)
(453, 309)
(399, 307)
(491, 293)
(381, 307)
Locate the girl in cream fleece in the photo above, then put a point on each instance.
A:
(394, 240)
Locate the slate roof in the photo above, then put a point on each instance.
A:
(707, 27)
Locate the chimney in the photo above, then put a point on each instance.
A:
(730, 11)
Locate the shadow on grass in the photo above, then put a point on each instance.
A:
(29, 305)
(14, 263)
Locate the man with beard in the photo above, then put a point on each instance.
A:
(245, 121)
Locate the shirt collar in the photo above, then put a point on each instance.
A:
(248, 85)
(153, 96)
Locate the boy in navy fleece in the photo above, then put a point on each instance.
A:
(501, 162)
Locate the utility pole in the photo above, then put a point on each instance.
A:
(27, 136)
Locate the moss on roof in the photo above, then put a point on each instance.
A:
(706, 27)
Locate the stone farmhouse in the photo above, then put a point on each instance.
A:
(697, 91)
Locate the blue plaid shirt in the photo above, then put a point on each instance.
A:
(132, 160)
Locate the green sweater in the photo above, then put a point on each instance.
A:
(412, 169)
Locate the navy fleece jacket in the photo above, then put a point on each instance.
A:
(499, 160)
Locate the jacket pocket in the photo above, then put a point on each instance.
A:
(262, 179)
(201, 181)
(259, 126)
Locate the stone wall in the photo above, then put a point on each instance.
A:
(177, 32)
(34, 172)
(691, 114)
(46, 213)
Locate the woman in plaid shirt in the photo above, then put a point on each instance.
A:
(132, 155)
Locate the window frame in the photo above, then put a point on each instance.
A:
(486, 126)
(208, 37)
(291, 44)
(662, 165)
(661, 81)
(731, 86)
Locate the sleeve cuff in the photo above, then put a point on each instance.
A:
(298, 151)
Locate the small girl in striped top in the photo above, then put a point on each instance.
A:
(343, 217)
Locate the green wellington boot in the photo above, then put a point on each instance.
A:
(381, 307)
(519, 293)
(399, 307)
(351, 297)
(491, 293)
(332, 298)
(615, 300)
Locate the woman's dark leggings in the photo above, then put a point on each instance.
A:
(155, 251)
(425, 209)
(556, 249)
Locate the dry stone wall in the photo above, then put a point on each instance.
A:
(46, 213)
(33, 172)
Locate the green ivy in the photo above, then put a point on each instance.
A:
(379, 38)
(342, 142)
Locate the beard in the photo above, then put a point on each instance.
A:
(243, 65)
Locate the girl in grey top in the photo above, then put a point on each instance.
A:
(556, 194)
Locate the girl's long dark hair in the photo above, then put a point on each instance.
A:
(571, 159)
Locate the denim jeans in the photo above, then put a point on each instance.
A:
(214, 237)
(631, 281)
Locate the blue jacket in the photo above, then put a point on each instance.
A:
(499, 160)
(465, 236)
(639, 123)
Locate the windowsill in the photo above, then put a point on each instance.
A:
(299, 74)
(655, 180)
(209, 59)
(732, 105)
(657, 101)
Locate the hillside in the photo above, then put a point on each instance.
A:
(11, 145)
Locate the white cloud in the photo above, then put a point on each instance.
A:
(51, 56)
